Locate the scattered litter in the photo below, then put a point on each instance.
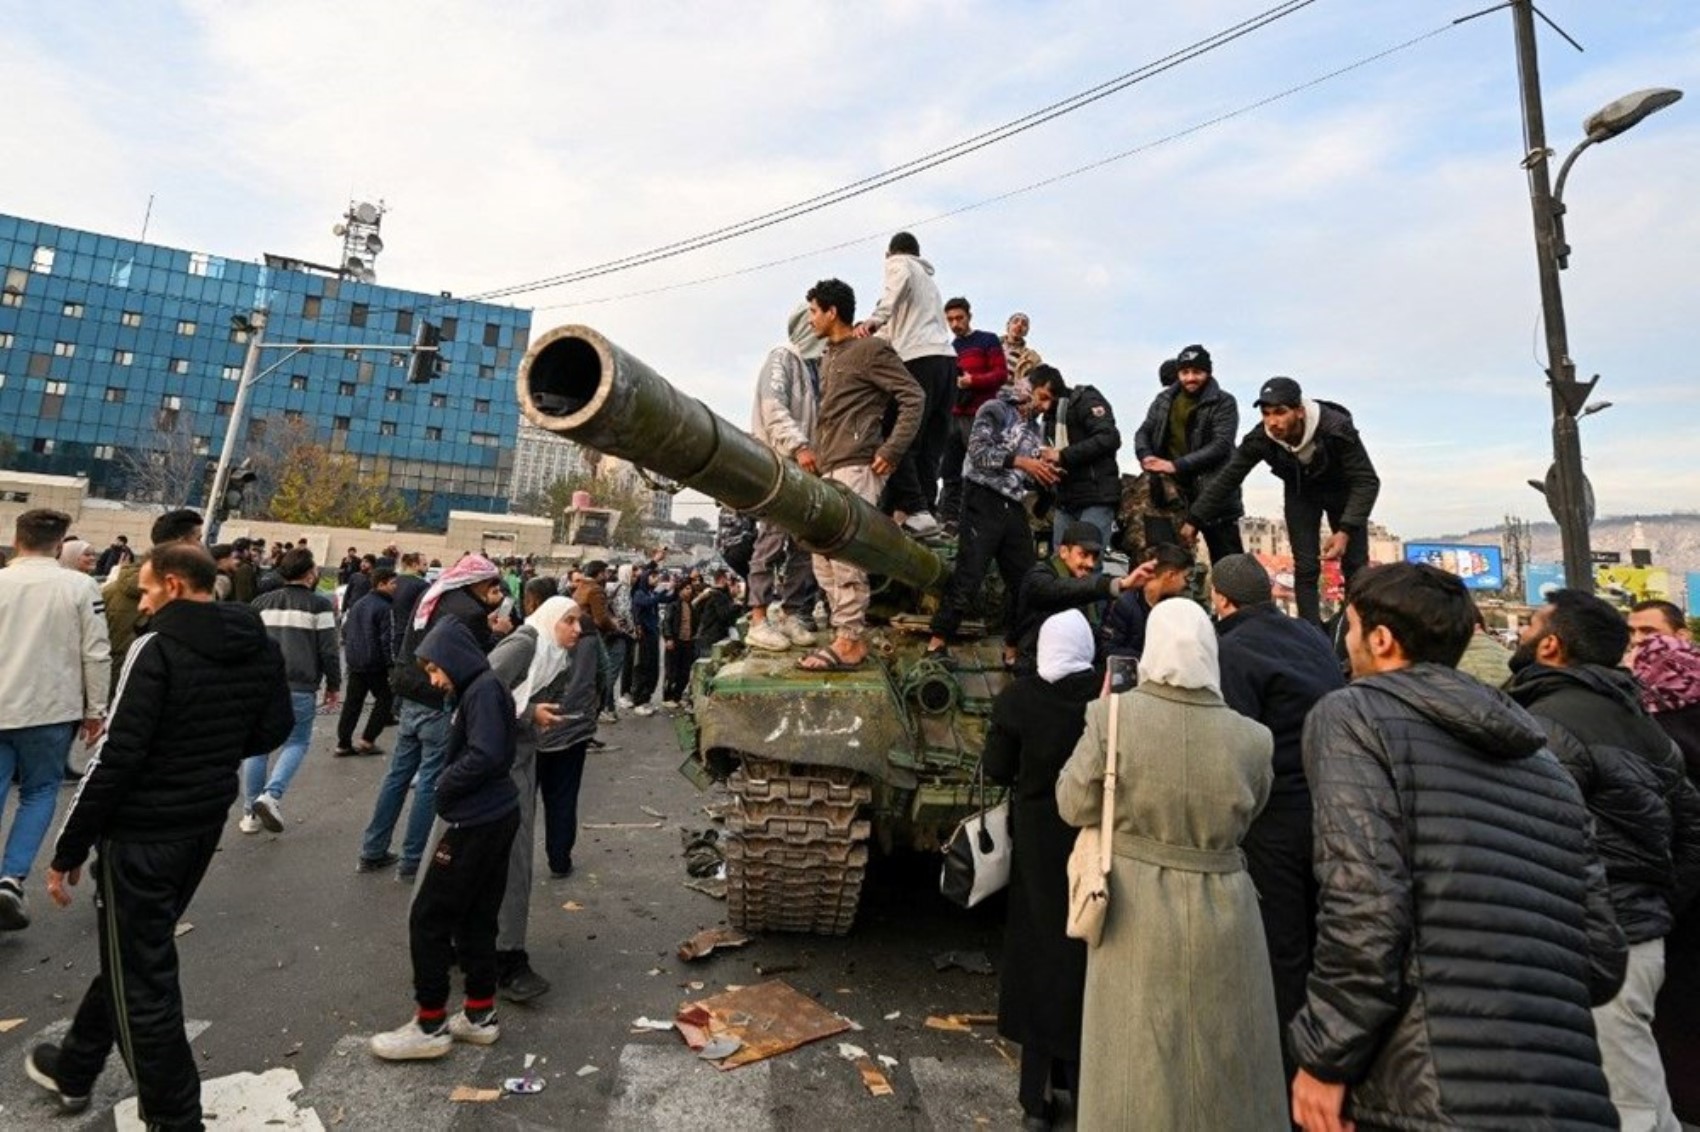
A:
(654, 813)
(653, 971)
(764, 970)
(723, 1046)
(7, 1025)
(587, 1070)
(622, 825)
(692, 985)
(974, 962)
(875, 1080)
(572, 906)
(464, 1094)
(851, 1053)
(184, 927)
(523, 1086)
(960, 1023)
(715, 888)
(651, 1024)
(530, 1060)
(894, 1016)
(768, 1019)
(703, 854)
(888, 1061)
(705, 942)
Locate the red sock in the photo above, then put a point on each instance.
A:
(431, 1020)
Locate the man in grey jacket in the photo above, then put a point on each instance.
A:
(787, 400)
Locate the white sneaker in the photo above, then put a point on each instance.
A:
(921, 524)
(249, 824)
(798, 633)
(767, 636)
(411, 1043)
(464, 1029)
(645, 710)
(607, 717)
(670, 705)
(269, 813)
(626, 702)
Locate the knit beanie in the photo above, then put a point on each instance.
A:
(1241, 579)
(1194, 357)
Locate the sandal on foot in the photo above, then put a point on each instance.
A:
(828, 661)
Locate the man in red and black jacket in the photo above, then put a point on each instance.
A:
(981, 370)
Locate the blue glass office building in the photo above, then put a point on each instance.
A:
(108, 344)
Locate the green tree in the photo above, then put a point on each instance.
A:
(311, 485)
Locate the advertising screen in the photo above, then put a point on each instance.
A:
(1480, 567)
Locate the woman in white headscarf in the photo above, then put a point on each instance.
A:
(1036, 721)
(1180, 1028)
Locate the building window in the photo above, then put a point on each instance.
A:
(64, 349)
(386, 428)
(103, 452)
(186, 328)
(231, 373)
(345, 388)
(292, 415)
(484, 439)
(17, 281)
(200, 263)
(114, 395)
(14, 497)
(240, 334)
(11, 298)
(123, 357)
(171, 401)
(487, 373)
(492, 334)
(392, 395)
(310, 306)
(56, 388)
(131, 318)
(43, 445)
(404, 322)
(42, 261)
(222, 409)
(341, 424)
(481, 406)
(5, 341)
(432, 432)
(398, 360)
(179, 365)
(351, 355)
(201, 446)
(450, 327)
(439, 400)
(298, 382)
(357, 314)
(73, 310)
(366, 370)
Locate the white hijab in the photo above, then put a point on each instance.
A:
(1180, 647)
(1066, 645)
(550, 659)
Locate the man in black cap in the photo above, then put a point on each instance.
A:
(1274, 669)
(1069, 579)
(1189, 434)
(1314, 448)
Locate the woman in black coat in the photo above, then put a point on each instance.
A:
(1035, 724)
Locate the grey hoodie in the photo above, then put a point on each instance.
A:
(910, 313)
(788, 390)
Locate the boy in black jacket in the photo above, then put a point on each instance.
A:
(454, 912)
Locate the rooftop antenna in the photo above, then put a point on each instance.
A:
(146, 216)
(361, 242)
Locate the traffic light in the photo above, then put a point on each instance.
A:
(427, 354)
(238, 487)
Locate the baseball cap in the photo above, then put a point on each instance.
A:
(1279, 391)
(1083, 535)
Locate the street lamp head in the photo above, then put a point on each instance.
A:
(1620, 114)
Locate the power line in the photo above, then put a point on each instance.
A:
(1046, 182)
(917, 165)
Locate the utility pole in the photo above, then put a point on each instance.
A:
(1567, 492)
(233, 427)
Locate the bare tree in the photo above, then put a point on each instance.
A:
(170, 466)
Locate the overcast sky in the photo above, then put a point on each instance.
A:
(1370, 236)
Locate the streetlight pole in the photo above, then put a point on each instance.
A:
(238, 416)
(1567, 494)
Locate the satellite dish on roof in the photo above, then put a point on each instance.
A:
(355, 264)
(366, 213)
(374, 244)
(339, 229)
(366, 275)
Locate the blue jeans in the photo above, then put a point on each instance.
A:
(421, 745)
(37, 754)
(1100, 515)
(614, 658)
(289, 756)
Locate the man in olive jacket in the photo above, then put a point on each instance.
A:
(1464, 927)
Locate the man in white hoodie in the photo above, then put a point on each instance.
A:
(787, 400)
(1314, 448)
(910, 315)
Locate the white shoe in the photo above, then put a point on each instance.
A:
(411, 1043)
(670, 705)
(464, 1029)
(269, 813)
(798, 633)
(626, 702)
(249, 824)
(921, 524)
(607, 717)
(767, 636)
(645, 710)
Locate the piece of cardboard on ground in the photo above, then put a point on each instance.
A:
(705, 942)
(769, 1018)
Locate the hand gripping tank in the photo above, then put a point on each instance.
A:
(818, 763)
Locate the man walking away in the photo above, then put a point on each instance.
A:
(1274, 670)
(981, 371)
(1646, 820)
(122, 592)
(1081, 438)
(1464, 920)
(201, 688)
(860, 377)
(303, 624)
(910, 314)
(1312, 447)
(368, 646)
(53, 678)
(1189, 435)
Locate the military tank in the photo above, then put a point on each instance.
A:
(821, 766)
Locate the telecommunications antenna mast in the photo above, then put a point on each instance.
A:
(361, 242)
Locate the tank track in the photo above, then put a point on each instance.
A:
(798, 851)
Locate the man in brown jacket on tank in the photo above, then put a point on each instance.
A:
(858, 377)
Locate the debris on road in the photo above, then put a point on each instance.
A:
(768, 1019)
(652, 812)
(184, 927)
(876, 1082)
(622, 825)
(472, 1094)
(647, 1023)
(524, 1086)
(894, 1016)
(960, 1023)
(587, 1070)
(703, 855)
(721, 1047)
(888, 1061)
(7, 1025)
(764, 970)
(706, 941)
(715, 887)
(851, 1053)
(572, 906)
(974, 962)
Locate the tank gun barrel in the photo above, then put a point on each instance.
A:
(575, 382)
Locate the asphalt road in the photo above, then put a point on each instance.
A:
(294, 960)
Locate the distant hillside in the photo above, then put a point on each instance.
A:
(1674, 538)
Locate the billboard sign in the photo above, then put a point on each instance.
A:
(1540, 580)
(1479, 567)
(1623, 586)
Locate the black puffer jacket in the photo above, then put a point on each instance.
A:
(1646, 811)
(1339, 464)
(201, 690)
(1464, 927)
(1210, 436)
(1091, 477)
(1274, 670)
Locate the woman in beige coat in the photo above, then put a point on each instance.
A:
(1179, 1030)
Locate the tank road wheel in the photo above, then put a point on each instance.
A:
(798, 849)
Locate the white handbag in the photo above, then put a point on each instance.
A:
(976, 858)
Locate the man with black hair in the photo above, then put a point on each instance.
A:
(1646, 818)
(1081, 438)
(981, 370)
(368, 644)
(303, 624)
(859, 377)
(53, 681)
(123, 593)
(359, 582)
(202, 688)
(244, 575)
(1657, 619)
(1314, 448)
(1069, 579)
(1164, 575)
(1463, 916)
(114, 556)
(910, 314)
(1188, 435)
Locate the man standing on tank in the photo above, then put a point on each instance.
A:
(1189, 434)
